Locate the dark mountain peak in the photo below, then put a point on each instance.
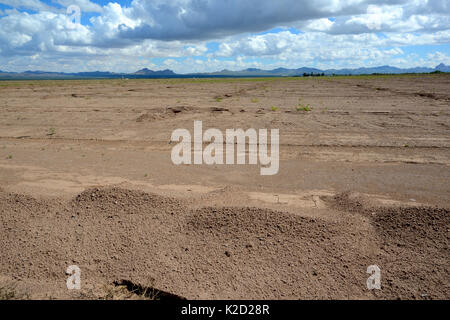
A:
(442, 67)
(148, 72)
(144, 71)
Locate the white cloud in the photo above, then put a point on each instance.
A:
(438, 57)
(386, 18)
(37, 5)
(201, 19)
(320, 25)
(361, 33)
(327, 50)
(85, 5)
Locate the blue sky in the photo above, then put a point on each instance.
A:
(210, 35)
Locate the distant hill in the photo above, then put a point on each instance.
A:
(378, 70)
(148, 72)
(443, 68)
(283, 72)
(279, 72)
(95, 74)
(249, 72)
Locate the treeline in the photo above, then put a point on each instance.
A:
(312, 74)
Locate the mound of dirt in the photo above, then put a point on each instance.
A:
(223, 252)
(414, 242)
(124, 201)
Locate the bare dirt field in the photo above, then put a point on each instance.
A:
(86, 179)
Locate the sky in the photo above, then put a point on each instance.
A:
(211, 35)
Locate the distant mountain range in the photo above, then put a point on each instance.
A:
(308, 71)
(147, 72)
(250, 72)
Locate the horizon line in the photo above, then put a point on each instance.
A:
(227, 70)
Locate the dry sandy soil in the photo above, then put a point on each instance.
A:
(86, 178)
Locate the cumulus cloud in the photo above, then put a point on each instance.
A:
(207, 19)
(387, 18)
(25, 34)
(309, 47)
(84, 5)
(329, 32)
(438, 57)
(37, 5)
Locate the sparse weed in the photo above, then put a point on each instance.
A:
(255, 100)
(274, 108)
(51, 131)
(304, 107)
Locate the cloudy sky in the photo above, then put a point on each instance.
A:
(211, 35)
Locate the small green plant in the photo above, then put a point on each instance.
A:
(304, 107)
(274, 108)
(406, 146)
(218, 99)
(51, 131)
(9, 157)
(255, 100)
